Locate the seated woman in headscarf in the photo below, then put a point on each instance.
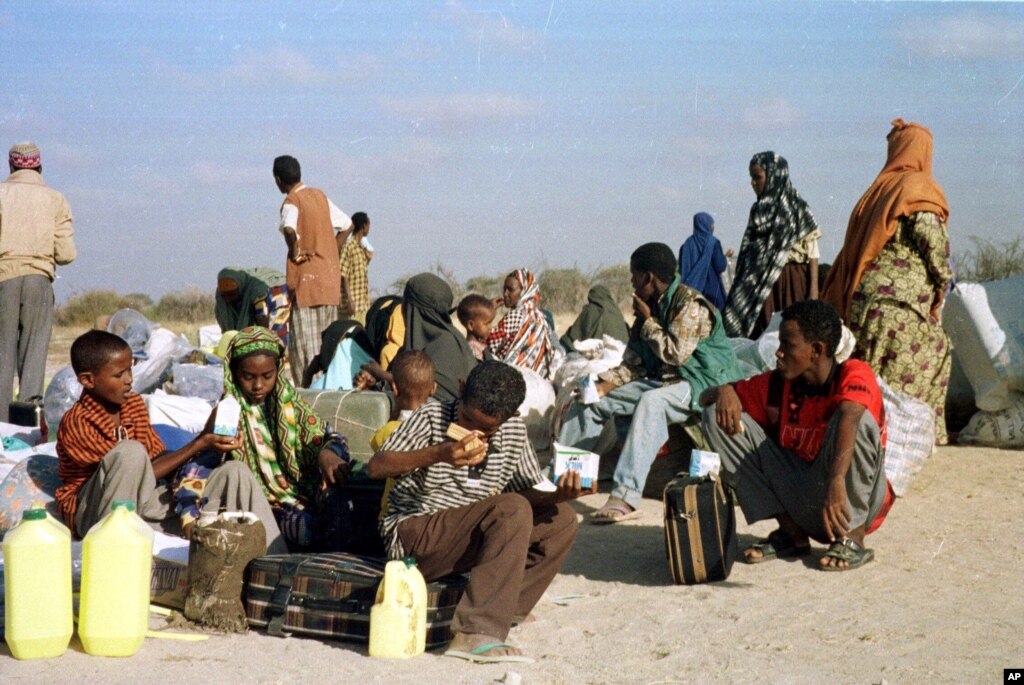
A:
(778, 261)
(291, 451)
(701, 261)
(426, 306)
(385, 327)
(600, 316)
(252, 297)
(344, 349)
(889, 280)
(523, 336)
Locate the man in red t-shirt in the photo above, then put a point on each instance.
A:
(804, 444)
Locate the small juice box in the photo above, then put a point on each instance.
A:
(703, 462)
(228, 413)
(572, 459)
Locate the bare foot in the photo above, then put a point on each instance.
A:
(522, 620)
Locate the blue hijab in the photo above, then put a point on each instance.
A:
(701, 260)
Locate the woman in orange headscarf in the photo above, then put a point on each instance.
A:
(889, 279)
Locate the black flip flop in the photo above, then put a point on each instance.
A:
(778, 545)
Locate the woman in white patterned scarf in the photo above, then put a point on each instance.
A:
(778, 260)
(523, 337)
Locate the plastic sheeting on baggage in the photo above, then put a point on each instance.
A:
(910, 430)
(985, 322)
(162, 350)
(1003, 428)
(189, 413)
(588, 356)
(196, 380)
(537, 408)
(62, 392)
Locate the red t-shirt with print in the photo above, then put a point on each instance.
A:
(805, 412)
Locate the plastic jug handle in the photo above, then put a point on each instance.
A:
(390, 589)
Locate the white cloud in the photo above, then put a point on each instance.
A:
(279, 66)
(461, 110)
(966, 36)
(774, 113)
(490, 28)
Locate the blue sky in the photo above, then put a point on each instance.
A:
(489, 135)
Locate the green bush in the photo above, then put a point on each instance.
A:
(990, 261)
(84, 308)
(191, 305)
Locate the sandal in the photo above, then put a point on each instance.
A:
(778, 545)
(478, 655)
(849, 551)
(614, 512)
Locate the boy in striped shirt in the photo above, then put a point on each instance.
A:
(471, 506)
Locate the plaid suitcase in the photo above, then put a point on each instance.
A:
(330, 595)
(700, 529)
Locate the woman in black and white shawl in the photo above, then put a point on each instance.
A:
(778, 258)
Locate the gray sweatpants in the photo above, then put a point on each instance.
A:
(26, 322)
(126, 473)
(770, 480)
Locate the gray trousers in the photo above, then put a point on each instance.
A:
(304, 329)
(26, 321)
(770, 480)
(127, 473)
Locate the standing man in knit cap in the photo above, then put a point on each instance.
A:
(35, 235)
(677, 348)
(314, 229)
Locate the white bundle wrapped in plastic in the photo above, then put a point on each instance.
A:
(162, 350)
(189, 413)
(768, 343)
(589, 357)
(985, 322)
(536, 409)
(1003, 428)
(62, 392)
(209, 335)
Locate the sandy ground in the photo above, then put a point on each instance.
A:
(943, 602)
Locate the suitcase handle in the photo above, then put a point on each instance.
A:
(277, 607)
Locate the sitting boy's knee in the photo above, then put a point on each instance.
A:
(127, 453)
(513, 507)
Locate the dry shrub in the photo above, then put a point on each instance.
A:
(84, 308)
(191, 305)
(563, 290)
(991, 261)
(618, 281)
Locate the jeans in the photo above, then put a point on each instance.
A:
(653, 405)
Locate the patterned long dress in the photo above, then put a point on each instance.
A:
(890, 314)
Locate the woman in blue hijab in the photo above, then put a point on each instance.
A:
(701, 261)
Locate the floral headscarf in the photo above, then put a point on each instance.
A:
(281, 437)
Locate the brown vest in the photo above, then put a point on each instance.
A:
(318, 281)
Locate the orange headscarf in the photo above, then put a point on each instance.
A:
(904, 186)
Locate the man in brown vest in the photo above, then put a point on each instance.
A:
(311, 225)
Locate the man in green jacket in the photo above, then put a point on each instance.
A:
(677, 348)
